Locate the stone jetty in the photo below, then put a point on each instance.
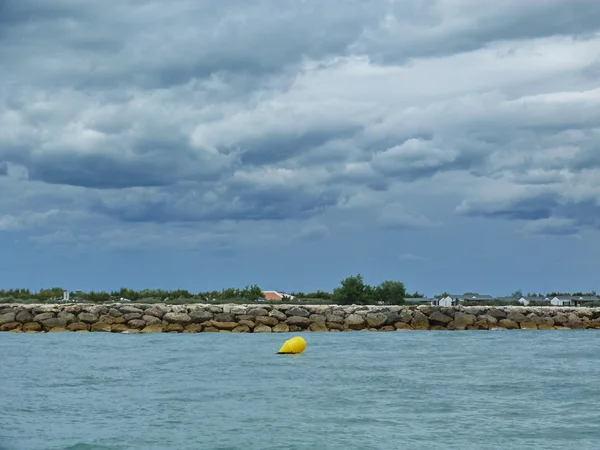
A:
(153, 318)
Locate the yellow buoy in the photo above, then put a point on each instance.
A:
(292, 346)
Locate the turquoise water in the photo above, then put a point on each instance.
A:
(412, 390)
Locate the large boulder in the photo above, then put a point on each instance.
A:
(43, 316)
(131, 309)
(257, 312)
(419, 321)
(155, 311)
(297, 311)
(508, 324)
(266, 320)
(55, 322)
(439, 318)
(241, 329)
(136, 324)
(318, 326)
(77, 326)
(86, 317)
(278, 315)
(281, 328)
(355, 322)
(151, 319)
(24, 316)
(298, 321)
(496, 314)
(224, 317)
(10, 326)
(462, 321)
(516, 316)
(376, 320)
(8, 317)
(101, 326)
(200, 316)
(181, 318)
(32, 326)
(154, 328)
(70, 317)
(132, 316)
(262, 329)
(228, 326)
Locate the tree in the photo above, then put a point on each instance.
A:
(252, 293)
(517, 294)
(390, 292)
(353, 291)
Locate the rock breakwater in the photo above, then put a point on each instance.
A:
(153, 318)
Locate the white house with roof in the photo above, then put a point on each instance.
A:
(527, 299)
(455, 300)
(573, 300)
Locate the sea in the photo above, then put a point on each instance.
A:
(360, 390)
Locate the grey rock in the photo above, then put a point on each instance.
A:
(181, 318)
(238, 310)
(223, 317)
(132, 316)
(113, 312)
(24, 316)
(7, 318)
(334, 318)
(43, 316)
(136, 324)
(155, 311)
(355, 321)
(516, 316)
(299, 321)
(406, 316)
(278, 315)
(150, 320)
(462, 320)
(297, 311)
(130, 309)
(70, 317)
(438, 318)
(317, 318)
(200, 316)
(375, 320)
(255, 312)
(559, 319)
(496, 313)
(419, 321)
(59, 322)
(87, 317)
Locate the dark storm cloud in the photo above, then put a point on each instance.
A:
(207, 111)
(441, 28)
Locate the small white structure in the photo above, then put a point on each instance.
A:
(574, 300)
(455, 300)
(66, 296)
(526, 300)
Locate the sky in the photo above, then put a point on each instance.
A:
(453, 145)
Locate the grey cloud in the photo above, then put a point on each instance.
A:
(436, 28)
(212, 111)
(413, 159)
(552, 227)
(395, 217)
(533, 205)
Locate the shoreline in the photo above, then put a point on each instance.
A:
(153, 318)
